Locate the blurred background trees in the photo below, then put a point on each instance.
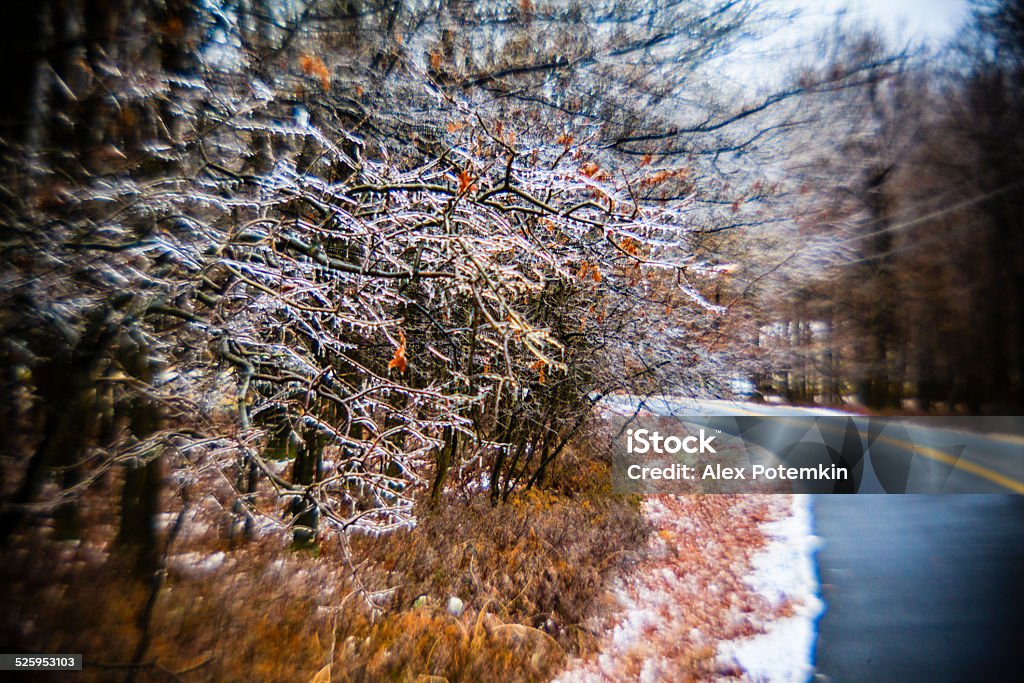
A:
(910, 227)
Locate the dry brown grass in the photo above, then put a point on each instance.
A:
(532, 574)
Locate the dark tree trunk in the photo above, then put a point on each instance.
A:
(22, 42)
(140, 498)
(306, 470)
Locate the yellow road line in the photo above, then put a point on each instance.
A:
(929, 452)
(959, 463)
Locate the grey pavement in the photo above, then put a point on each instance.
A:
(921, 588)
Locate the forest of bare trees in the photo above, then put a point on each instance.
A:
(906, 293)
(317, 270)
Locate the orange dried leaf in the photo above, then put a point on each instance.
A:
(590, 169)
(466, 182)
(398, 361)
(655, 178)
(314, 66)
(539, 367)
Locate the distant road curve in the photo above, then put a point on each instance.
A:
(989, 463)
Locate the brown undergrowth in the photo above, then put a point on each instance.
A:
(688, 594)
(531, 574)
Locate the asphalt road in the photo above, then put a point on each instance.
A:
(921, 588)
(918, 587)
(905, 456)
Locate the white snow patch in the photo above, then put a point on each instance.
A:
(647, 602)
(785, 569)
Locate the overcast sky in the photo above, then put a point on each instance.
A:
(906, 22)
(934, 20)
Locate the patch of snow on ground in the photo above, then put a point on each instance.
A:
(644, 608)
(688, 593)
(783, 571)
